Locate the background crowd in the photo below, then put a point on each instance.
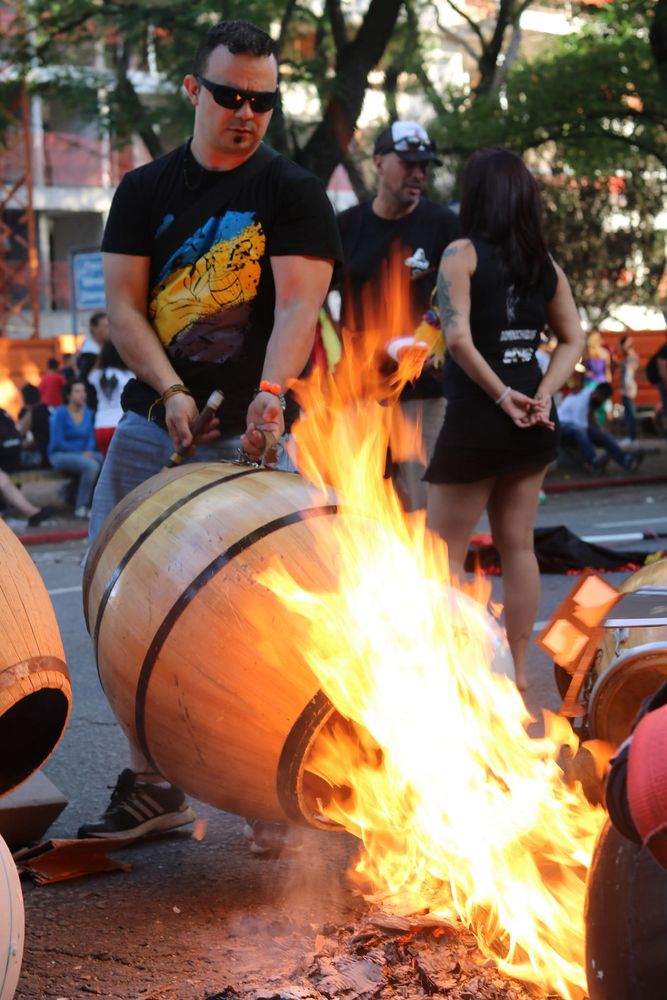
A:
(66, 422)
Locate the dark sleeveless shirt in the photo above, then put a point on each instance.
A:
(478, 439)
(505, 324)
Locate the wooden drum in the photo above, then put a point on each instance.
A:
(626, 921)
(35, 691)
(12, 924)
(630, 665)
(198, 660)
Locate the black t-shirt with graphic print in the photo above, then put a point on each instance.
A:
(212, 302)
(379, 289)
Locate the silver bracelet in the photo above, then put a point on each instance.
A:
(280, 396)
(504, 394)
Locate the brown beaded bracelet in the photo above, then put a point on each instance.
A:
(172, 390)
(167, 394)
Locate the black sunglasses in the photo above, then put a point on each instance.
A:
(233, 99)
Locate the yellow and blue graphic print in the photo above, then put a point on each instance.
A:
(201, 303)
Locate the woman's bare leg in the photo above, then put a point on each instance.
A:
(512, 510)
(453, 511)
(12, 495)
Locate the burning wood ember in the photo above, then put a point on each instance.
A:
(388, 958)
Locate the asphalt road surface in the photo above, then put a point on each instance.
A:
(192, 918)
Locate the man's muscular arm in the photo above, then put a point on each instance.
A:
(301, 286)
(126, 283)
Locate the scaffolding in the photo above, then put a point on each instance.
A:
(19, 259)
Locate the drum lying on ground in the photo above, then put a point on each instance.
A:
(35, 691)
(626, 921)
(629, 666)
(198, 660)
(202, 664)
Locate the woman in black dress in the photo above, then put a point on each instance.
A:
(496, 291)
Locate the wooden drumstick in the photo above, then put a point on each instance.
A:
(204, 418)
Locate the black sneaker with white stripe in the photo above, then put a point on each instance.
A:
(138, 808)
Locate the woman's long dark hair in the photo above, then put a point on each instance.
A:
(500, 202)
(109, 357)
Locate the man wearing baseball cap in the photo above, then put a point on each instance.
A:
(392, 245)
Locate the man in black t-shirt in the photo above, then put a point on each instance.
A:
(217, 258)
(397, 239)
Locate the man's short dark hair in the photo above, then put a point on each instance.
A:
(95, 318)
(240, 37)
(52, 364)
(31, 395)
(602, 391)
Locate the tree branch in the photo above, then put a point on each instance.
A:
(337, 22)
(466, 17)
(284, 25)
(450, 33)
(137, 113)
(354, 61)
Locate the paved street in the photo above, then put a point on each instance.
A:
(193, 917)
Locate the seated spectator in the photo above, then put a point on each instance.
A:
(52, 384)
(33, 425)
(548, 344)
(577, 414)
(10, 443)
(11, 494)
(72, 445)
(109, 376)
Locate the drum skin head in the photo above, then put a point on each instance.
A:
(621, 689)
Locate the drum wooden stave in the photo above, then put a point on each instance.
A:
(629, 666)
(35, 690)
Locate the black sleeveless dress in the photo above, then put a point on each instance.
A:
(478, 440)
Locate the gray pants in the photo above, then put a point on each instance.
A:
(407, 476)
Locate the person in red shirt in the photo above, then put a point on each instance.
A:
(52, 384)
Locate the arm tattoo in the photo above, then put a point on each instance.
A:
(445, 307)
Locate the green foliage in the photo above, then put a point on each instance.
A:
(583, 107)
(70, 33)
(595, 93)
(603, 234)
(587, 108)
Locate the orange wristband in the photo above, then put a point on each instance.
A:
(272, 387)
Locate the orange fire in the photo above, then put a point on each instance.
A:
(462, 815)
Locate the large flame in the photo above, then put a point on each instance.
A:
(461, 813)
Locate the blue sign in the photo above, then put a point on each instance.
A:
(87, 281)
